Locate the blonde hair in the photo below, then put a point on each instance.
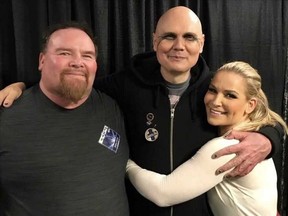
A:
(262, 115)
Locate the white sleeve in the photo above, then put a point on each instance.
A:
(194, 177)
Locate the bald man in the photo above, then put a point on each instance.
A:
(161, 96)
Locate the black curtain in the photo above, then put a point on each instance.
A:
(255, 31)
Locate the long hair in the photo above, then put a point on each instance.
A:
(262, 115)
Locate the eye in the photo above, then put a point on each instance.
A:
(211, 89)
(231, 96)
(88, 56)
(168, 37)
(191, 37)
(64, 53)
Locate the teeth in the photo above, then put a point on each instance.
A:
(216, 112)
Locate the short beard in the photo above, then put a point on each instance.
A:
(72, 90)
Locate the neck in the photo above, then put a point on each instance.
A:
(224, 130)
(67, 104)
(175, 77)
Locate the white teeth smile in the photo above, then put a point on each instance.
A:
(216, 112)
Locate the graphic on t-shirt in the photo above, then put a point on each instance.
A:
(109, 138)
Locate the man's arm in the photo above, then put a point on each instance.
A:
(276, 137)
(10, 93)
(113, 85)
(253, 148)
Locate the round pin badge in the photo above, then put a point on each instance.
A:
(151, 134)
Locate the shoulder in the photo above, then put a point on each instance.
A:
(218, 143)
(104, 102)
(23, 106)
(26, 99)
(222, 141)
(99, 96)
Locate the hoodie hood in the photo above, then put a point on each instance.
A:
(146, 69)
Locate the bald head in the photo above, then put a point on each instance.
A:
(178, 41)
(181, 16)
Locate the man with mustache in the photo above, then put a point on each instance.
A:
(63, 149)
(161, 96)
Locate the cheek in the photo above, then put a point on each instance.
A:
(194, 49)
(163, 46)
(237, 110)
(92, 68)
(207, 98)
(53, 64)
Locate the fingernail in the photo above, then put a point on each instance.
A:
(227, 176)
(214, 156)
(219, 171)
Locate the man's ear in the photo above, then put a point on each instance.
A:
(202, 41)
(41, 61)
(155, 41)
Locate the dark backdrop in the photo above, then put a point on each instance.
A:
(255, 31)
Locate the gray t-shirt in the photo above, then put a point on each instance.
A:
(61, 162)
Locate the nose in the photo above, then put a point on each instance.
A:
(179, 43)
(217, 100)
(76, 62)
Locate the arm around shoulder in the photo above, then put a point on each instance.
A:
(11, 92)
(275, 135)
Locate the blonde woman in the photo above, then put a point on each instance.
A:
(235, 101)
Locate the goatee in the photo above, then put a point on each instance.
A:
(72, 89)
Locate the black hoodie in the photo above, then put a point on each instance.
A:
(143, 97)
(160, 140)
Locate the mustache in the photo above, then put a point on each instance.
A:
(75, 71)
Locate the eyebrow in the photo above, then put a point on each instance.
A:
(190, 33)
(174, 34)
(167, 33)
(225, 91)
(71, 50)
(231, 91)
(90, 52)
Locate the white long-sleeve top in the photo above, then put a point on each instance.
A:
(252, 195)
